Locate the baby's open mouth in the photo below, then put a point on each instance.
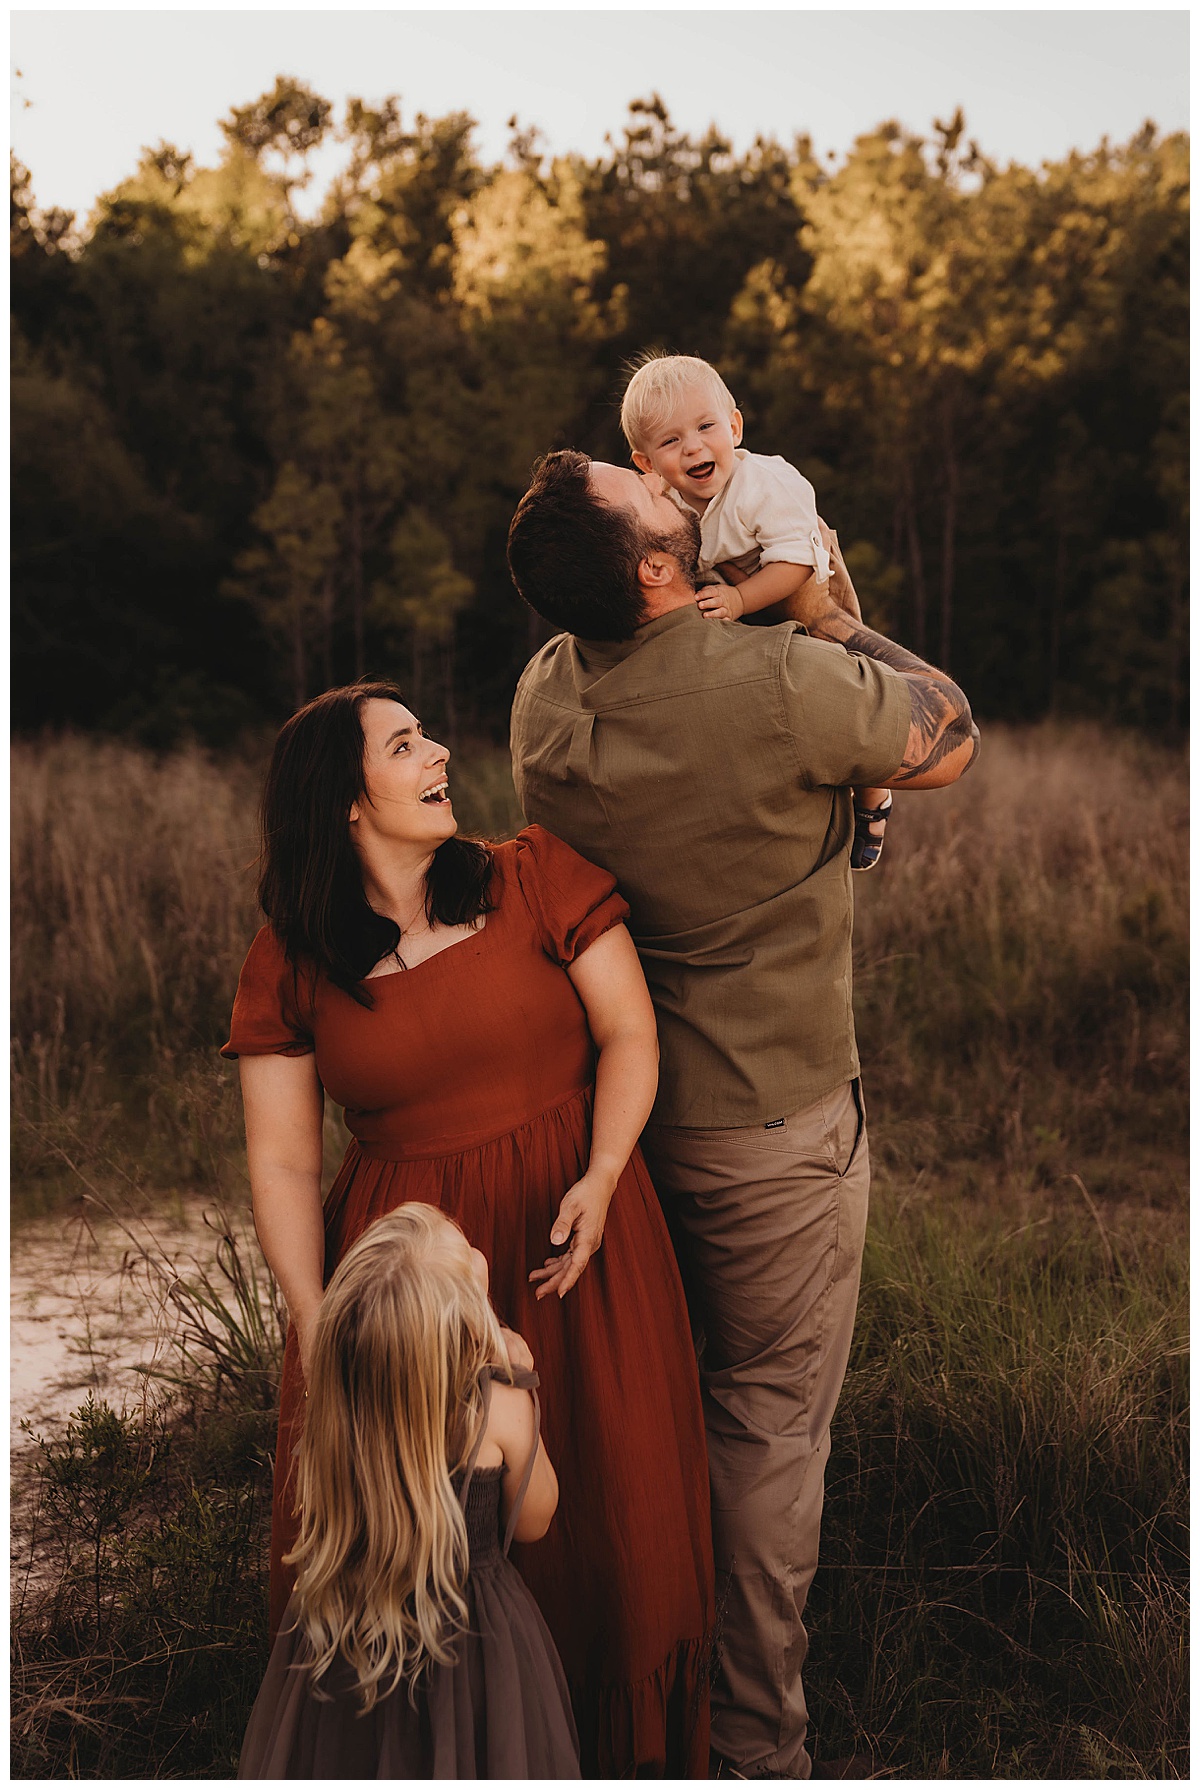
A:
(703, 470)
(439, 793)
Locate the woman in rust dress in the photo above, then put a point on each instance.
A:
(480, 1014)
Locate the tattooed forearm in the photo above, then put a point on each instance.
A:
(940, 722)
(957, 731)
(930, 701)
(857, 639)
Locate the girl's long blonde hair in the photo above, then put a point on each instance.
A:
(401, 1341)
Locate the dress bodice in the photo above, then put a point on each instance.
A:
(482, 1037)
(482, 1512)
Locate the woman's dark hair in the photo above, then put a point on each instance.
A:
(310, 885)
(573, 557)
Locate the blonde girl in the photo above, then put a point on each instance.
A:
(412, 1647)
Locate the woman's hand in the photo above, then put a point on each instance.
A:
(580, 1223)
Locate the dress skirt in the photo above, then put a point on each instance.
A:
(500, 1710)
(623, 1578)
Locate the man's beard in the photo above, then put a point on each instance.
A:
(683, 544)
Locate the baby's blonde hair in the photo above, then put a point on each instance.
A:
(400, 1344)
(657, 383)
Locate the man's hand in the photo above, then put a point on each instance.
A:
(580, 1222)
(841, 585)
(814, 601)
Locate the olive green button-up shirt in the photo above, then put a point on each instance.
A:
(708, 766)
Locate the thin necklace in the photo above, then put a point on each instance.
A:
(412, 931)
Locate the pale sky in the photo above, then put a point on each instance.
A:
(95, 86)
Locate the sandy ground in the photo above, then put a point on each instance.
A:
(86, 1316)
(83, 1317)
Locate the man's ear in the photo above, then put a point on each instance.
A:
(657, 569)
(735, 424)
(643, 462)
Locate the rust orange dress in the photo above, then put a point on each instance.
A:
(469, 1086)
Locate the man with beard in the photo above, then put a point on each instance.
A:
(708, 765)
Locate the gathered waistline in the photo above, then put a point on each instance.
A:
(389, 1153)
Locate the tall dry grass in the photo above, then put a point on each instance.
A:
(1004, 1562)
(1021, 970)
(132, 903)
(1001, 1592)
(132, 908)
(1020, 959)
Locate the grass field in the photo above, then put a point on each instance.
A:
(1001, 1593)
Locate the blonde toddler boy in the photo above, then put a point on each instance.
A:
(758, 514)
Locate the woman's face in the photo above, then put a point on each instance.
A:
(407, 798)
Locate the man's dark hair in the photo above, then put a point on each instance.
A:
(310, 880)
(573, 557)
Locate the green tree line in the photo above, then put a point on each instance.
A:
(254, 453)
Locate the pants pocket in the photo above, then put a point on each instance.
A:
(845, 1126)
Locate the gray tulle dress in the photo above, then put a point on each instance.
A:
(501, 1710)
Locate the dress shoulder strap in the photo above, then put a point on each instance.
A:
(485, 1387)
(529, 1382)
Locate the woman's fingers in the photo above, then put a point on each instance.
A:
(576, 1266)
(573, 1208)
(553, 1266)
(549, 1279)
(580, 1225)
(564, 1224)
(561, 1272)
(556, 1266)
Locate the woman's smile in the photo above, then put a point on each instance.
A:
(403, 769)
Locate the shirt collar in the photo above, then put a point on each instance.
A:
(599, 656)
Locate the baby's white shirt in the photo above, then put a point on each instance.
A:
(767, 507)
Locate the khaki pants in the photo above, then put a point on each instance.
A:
(768, 1223)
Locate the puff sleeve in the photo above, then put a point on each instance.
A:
(571, 901)
(271, 1015)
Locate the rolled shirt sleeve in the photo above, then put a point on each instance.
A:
(777, 506)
